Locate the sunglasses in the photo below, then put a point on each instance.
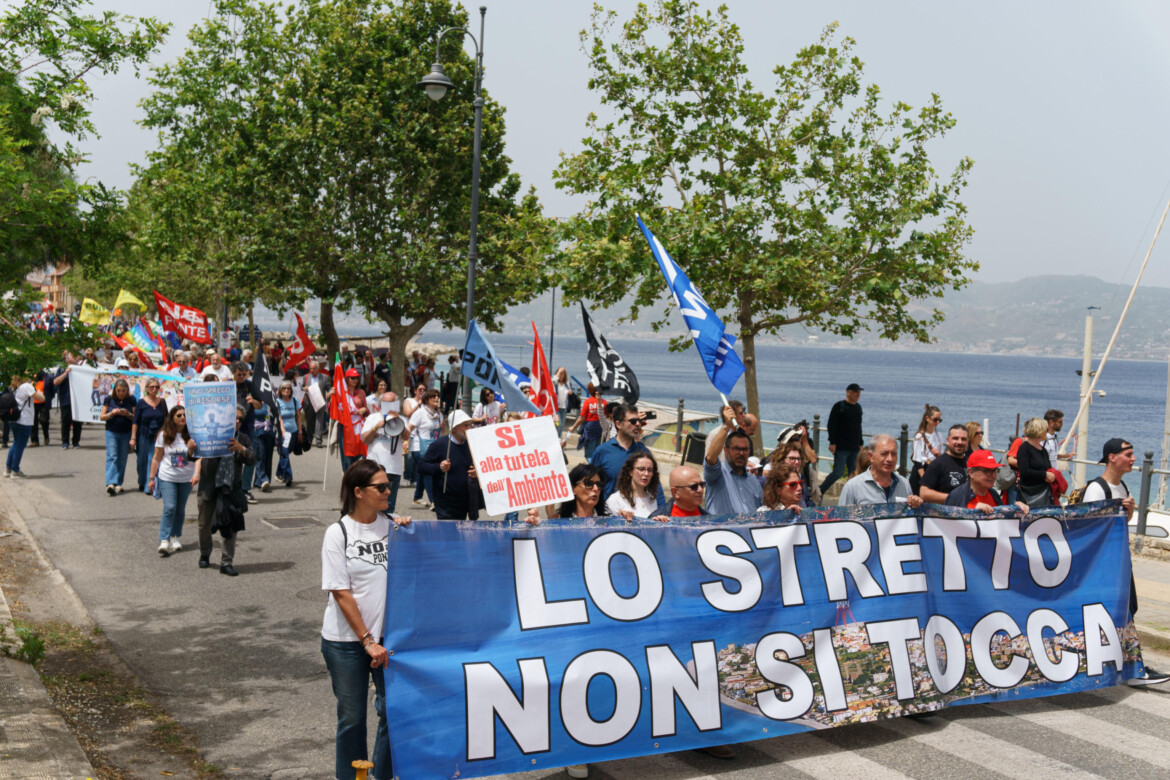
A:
(381, 487)
(694, 486)
(793, 483)
(591, 483)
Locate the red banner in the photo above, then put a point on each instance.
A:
(187, 321)
(544, 395)
(342, 410)
(301, 347)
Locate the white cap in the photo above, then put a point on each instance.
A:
(457, 418)
(122, 363)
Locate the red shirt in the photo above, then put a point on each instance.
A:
(589, 409)
(1014, 450)
(676, 511)
(987, 499)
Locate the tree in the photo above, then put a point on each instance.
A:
(804, 205)
(48, 48)
(335, 172)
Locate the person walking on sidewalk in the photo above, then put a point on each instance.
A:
(118, 415)
(1118, 457)
(353, 573)
(221, 481)
(149, 415)
(844, 435)
(25, 396)
(173, 470)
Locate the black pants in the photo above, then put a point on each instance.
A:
(68, 422)
(40, 421)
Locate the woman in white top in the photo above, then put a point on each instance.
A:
(928, 444)
(424, 427)
(637, 488)
(353, 571)
(374, 402)
(488, 411)
(412, 456)
(561, 385)
(173, 470)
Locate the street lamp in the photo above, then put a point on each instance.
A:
(436, 84)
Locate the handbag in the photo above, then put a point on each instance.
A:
(1005, 478)
(1035, 497)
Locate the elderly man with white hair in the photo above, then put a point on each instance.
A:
(182, 367)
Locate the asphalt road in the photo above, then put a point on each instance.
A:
(237, 660)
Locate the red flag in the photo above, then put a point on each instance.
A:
(128, 347)
(187, 321)
(342, 410)
(544, 394)
(301, 347)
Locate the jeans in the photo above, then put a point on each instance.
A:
(591, 446)
(174, 498)
(264, 445)
(347, 460)
(20, 434)
(423, 482)
(395, 481)
(284, 464)
(143, 457)
(117, 451)
(67, 423)
(349, 669)
(844, 462)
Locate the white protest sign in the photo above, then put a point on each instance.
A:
(519, 464)
(315, 397)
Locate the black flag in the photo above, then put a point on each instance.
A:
(262, 389)
(607, 370)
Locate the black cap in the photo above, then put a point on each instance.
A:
(854, 387)
(1113, 447)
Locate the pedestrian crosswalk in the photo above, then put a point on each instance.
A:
(1116, 732)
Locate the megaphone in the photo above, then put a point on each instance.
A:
(394, 426)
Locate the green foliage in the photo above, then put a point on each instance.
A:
(807, 203)
(24, 644)
(300, 159)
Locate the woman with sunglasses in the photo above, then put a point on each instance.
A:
(353, 572)
(173, 470)
(928, 444)
(637, 488)
(149, 415)
(783, 488)
(585, 481)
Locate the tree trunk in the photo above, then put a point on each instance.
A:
(251, 328)
(398, 339)
(332, 343)
(747, 341)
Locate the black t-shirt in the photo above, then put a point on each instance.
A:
(945, 473)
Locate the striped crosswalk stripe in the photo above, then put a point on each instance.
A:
(813, 756)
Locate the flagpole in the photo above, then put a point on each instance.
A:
(328, 438)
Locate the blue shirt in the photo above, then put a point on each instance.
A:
(120, 423)
(729, 493)
(288, 414)
(610, 457)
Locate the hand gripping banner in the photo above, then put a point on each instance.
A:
(592, 640)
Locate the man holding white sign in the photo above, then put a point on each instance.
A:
(520, 465)
(450, 465)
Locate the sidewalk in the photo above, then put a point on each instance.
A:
(35, 743)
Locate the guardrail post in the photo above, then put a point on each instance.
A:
(816, 434)
(903, 449)
(1144, 495)
(678, 438)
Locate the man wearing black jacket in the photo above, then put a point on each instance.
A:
(844, 435)
(448, 462)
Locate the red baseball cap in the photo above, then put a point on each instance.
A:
(353, 372)
(981, 459)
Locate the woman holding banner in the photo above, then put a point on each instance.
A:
(173, 470)
(118, 415)
(783, 488)
(149, 415)
(353, 572)
(637, 482)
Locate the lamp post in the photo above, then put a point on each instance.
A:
(436, 84)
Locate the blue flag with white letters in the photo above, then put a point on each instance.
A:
(715, 347)
(481, 364)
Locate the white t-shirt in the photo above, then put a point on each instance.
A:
(24, 401)
(224, 373)
(1094, 492)
(176, 465)
(355, 561)
(384, 450)
(920, 448)
(491, 412)
(562, 395)
(642, 507)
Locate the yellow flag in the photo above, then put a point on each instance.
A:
(125, 298)
(94, 313)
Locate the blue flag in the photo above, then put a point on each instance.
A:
(715, 347)
(481, 364)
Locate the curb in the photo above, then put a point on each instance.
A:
(39, 743)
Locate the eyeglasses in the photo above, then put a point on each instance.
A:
(637, 421)
(644, 469)
(589, 484)
(739, 449)
(793, 483)
(936, 419)
(696, 486)
(381, 487)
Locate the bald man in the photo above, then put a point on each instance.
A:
(687, 490)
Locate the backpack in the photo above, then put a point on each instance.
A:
(9, 409)
(1078, 495)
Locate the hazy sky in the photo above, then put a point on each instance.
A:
(1063, 106)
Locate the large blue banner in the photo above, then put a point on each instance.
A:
(583, 641)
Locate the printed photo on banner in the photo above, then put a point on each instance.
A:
(211, 416)
(597, 639)
(91, 386)
(520, 464)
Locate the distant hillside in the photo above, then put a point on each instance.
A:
(1039, 315)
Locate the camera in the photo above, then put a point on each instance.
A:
(649, 415)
